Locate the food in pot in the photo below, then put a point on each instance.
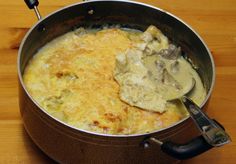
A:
(87, 79)
(153, 72)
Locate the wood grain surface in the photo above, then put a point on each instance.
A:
(214, 20)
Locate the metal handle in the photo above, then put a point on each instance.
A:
(213, 135)
(188, 150)
(185, 151)
(211, 130)
(32, 4)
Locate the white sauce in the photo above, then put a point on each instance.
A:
(155, 72)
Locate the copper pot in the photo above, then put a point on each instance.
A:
(67, 144)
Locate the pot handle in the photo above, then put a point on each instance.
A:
(32, 4)
(192, 148)
(185, 151)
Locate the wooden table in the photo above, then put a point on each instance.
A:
(214, 20)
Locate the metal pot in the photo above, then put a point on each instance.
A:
(67, 144)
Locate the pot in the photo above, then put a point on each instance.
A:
(67, 144)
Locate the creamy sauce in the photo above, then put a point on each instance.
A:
(154, 72)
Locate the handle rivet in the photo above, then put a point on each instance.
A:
(91, 12)
(41, 28)
(146, 145)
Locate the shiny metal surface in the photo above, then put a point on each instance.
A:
(210, 130)
(72, 145)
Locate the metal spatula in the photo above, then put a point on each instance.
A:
(212, 131)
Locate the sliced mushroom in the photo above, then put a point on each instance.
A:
(172, 53)
(160, 65)
(174, 67)
(157, 74)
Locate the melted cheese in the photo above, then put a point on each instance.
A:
(71, 77)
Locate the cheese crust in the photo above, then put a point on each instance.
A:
(71, 78)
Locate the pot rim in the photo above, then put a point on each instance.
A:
(111, 135)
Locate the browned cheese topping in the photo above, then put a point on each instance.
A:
(74, 79)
